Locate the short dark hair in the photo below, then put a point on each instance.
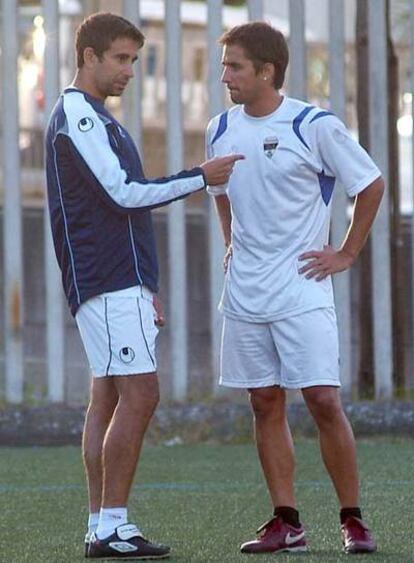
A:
(99, 30)
(262, 44)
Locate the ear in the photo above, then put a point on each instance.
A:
(267, 72)
(89, 57)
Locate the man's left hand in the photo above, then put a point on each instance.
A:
(323, 263)
(159, 311)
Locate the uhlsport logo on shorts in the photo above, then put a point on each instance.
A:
(270, 145)
(126, 355)
(85, 124)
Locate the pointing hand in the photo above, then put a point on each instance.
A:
(217, 170)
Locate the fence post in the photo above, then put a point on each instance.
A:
(178, 293)
(216, 245)
(131, 100)
(297, 48)
(342, 282)
(12, 208)
(255, 10)
(377, 50)
(54, 297)
(412, 171)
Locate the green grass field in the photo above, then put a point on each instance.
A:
(204, 501)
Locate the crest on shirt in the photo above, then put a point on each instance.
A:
(270, 145)
(85, 124)
(126, 355)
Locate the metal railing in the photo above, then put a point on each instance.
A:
(12, 158)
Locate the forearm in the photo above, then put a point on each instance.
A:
(323, 263)
(224, 214)
(365, 209)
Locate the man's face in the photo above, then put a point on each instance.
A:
(244, 84)
(111, 74)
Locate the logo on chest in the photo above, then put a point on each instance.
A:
(270, 145)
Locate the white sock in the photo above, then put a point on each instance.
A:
(109, 519)
(93, 522)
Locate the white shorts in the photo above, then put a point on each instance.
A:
(293, 353)
(118, 332)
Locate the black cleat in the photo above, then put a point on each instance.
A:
(126, 542)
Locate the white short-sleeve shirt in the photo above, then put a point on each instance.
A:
(281, 199)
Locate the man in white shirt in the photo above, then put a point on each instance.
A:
(280, 329)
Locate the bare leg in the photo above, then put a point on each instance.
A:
(138, 398)
(274, 443)
(336, 440)
(104, 398)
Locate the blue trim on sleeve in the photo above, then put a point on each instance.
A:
(222, 126)
(297, 123)
(327, 184)
(320, 114)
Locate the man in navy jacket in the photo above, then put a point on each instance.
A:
(100, 209)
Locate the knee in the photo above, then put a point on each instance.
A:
(144, 405)
(102, 408)
(324, 407)
(267, 405)
(153, 400)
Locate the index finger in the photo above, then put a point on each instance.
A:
(233, 157)
(308, 255)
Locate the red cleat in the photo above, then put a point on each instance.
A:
(274, 536)
(356, 536)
